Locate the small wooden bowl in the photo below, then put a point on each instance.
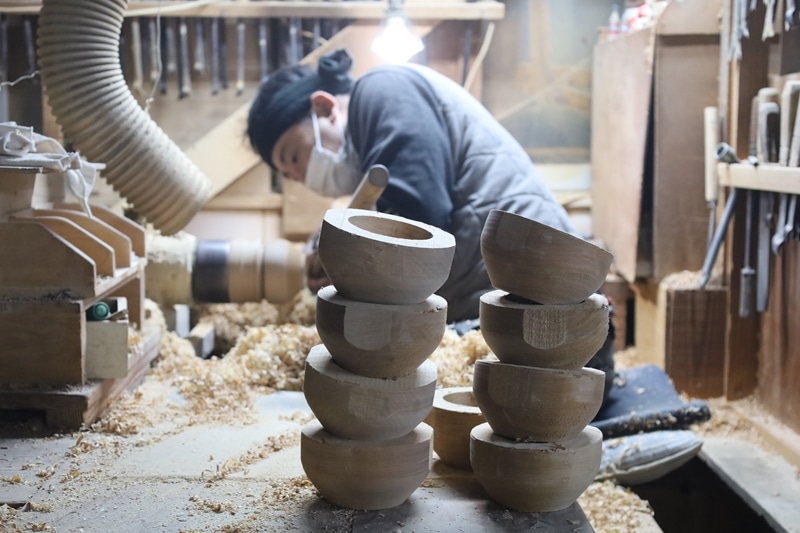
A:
(379, 340)
(384, 259)
(365, 474)
(539, 262)
(537, 404)
(535, 477)
(548, 336)
(361, 408)
(455, 413)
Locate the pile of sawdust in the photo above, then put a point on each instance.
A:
(611, 508)
(455, 358)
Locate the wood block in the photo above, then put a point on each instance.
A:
(106, 349)
(202, 339)
(683, 331)
(178, 319)
(42, 342)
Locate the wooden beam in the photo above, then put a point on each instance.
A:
(359, 9)
(765, 177)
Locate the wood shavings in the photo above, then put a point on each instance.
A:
(611, 508)
(690, 280)
(212, 506)
(302, 310)
(455, 357)
(254, 455)
(231, 320)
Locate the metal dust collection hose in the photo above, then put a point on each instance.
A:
(78, 43)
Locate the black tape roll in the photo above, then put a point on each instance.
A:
(210, 272)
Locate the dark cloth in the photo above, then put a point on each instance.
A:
(450, 164)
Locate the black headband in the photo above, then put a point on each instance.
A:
(292, 103)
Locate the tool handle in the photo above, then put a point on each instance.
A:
(711, 137)
(186, 69)
(136, 49)
(240, 34)
(365, 196)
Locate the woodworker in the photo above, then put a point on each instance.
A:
(450, 162)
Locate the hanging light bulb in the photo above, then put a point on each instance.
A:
(396, 42)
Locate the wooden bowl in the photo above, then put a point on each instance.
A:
(379, 340)
(548, 336)
(365, 474)
(539, 262)
(362, 408)
(535, 477)
(455, 413)
(384, 259)
(537, 404)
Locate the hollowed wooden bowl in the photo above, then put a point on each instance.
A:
(535, 477)
(365, 474)
(385, 259)
(549, 336)
(455, 413)
(379, 340)
(537, 404)
(362, 408)
(539, 262)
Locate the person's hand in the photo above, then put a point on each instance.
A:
(315, 274)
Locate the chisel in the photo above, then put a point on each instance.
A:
(263, 58)
(295, 46)
(199, 47)
(223, 54)
(30, 44)
(136, 49)
(164, 47)
(214, 56)
(240, 35)
(747, 274)
(172, 50)
(3, 67)
(184, 72)
(153, 38)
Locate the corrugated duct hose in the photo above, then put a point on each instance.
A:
(78, 44)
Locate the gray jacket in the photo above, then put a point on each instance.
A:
(450, 163)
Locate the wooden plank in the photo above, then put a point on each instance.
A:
(690, 18)
(27, 266)
(776, 434)
(129, 228)
(133, 291)
(764, 481)
(357, 9)
(621, 102)
(764, 177)
(694, 344)
(686, 70)
(16, 190)
(650, 322)
(42, 342)
(101, 253)
(779, 356)
(117, 240)
(106, 349)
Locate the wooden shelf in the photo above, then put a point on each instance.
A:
(442, 10)
(765, 177)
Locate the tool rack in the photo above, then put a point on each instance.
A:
(56, 262)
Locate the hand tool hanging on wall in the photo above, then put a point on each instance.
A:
(724, 153)
(30, 44)
(790, 20)
(3, 67)
(263, 58)
(136, 50)
(199, 47)
(163, 47)
(295, 45)
(711, 140)
(748, 274)
(240, 41)
(779, 237)
(144, 48)
(765, 209)
(467, 52)
(184, 70)
(154, 38)
(316, 34)
(172, 47)
(769, 131)
(769, 20)
(223, 54)
(214, 56)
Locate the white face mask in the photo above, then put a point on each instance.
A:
(327, 172)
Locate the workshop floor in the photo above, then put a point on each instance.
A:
(222, 478)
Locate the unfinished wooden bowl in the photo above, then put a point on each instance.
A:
(362, 408)
(366, 475)
(455, 413)
(549, 336)
(535, 477)
(537, 404)
(379, 340)
(385, 259)
(539, 262)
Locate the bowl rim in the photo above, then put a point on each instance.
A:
(339, 219)
(562, 372)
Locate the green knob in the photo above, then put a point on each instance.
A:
(99, 311)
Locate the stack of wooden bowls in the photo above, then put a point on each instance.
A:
(536, 453)
(370, 384)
